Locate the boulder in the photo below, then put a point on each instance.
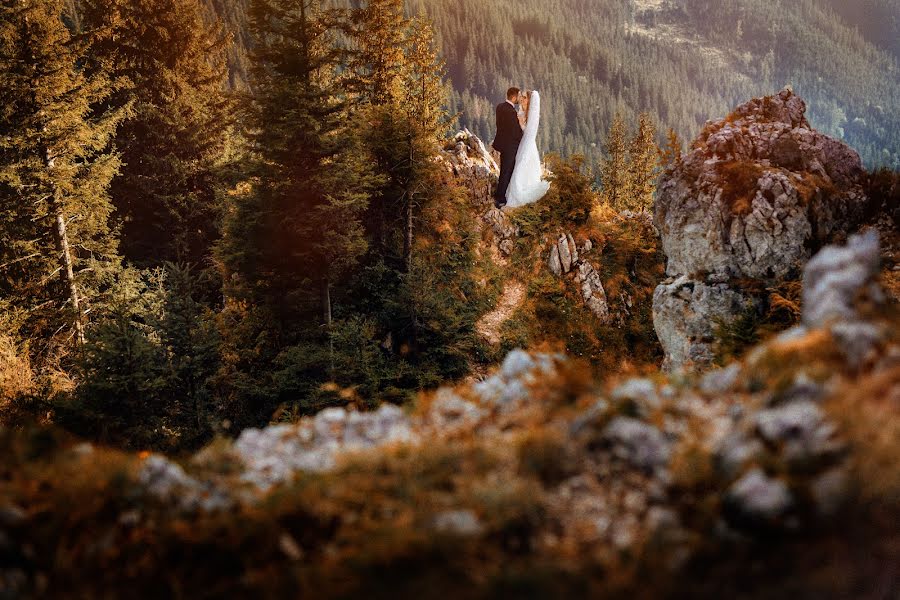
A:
(592, 291)
(275, 454)
(638, 443)
(756, 192)
(685, 314)
(836, 276)
(757, 499)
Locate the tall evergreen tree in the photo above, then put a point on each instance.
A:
(292, 240)
(643, 165)
(57, 249)
(375, 68)
(673, 149)
(614, 166)
(175, 62)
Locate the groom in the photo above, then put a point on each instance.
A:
(509, 134)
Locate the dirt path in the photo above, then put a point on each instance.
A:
(489, 325)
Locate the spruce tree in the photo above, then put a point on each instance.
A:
(673, 150)
(57, 249)
(294, 238)
(614, 166)
(643, 165)
(174, 60)
(376, 58)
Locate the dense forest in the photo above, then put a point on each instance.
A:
(216, 214)
(179, 260)
(680, 60)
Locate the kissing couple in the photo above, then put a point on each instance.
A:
(521, 171)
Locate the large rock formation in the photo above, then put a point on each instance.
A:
(758, 192)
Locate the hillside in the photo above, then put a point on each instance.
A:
(682, 60)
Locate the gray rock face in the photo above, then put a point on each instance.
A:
(836, 276)
(638, 443)
(756, 189)
(277, 453)
(685, 313)
(640, 391)
(509, 388)
(801, 429)
(168, 482)
(564, 258)
(449, 412)
(735, 452)
(472, 166)
(833, 282)
(757, 192)
(592, 291)
(757, 499)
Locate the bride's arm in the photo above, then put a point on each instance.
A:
(522, 122)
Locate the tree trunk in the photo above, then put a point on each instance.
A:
(408, 238)
(61, 238)
(326, 310)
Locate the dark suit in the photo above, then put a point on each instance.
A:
(509, 134)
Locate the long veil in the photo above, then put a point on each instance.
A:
(526, 185)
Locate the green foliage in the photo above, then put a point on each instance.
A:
(630, 169)
(172, 61)
(735, 335)
(570, 199)
(57, 247)
(146, 372)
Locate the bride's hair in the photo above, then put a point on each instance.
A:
(527, 94)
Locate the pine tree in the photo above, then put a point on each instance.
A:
(424, 99)
(294, 238)
(56, 245)
(672, 152)
(175, 62)
(643, 165)
(376, 56)
(614, 166)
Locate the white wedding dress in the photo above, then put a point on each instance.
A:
(526, 185)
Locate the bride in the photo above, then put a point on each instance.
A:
(526, 185)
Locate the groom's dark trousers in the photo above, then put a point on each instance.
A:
(509, 134)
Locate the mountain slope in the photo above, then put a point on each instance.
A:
(682, 60)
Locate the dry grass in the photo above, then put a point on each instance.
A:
(868, 412)
(16, 377)
(739, 184)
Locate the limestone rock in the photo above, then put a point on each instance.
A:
(449, 412)
(592, 291)
(685, 313)
(640, 391)
(801, 429)
(757, 499)
(277, 453)
(836, 276)
(510, 387)
(638, 443)
(168, 482)
(756, 192)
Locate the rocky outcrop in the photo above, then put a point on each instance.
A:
(758, 192)
(472, 166)
(277, 453)
(685, 314)
(565, 258)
